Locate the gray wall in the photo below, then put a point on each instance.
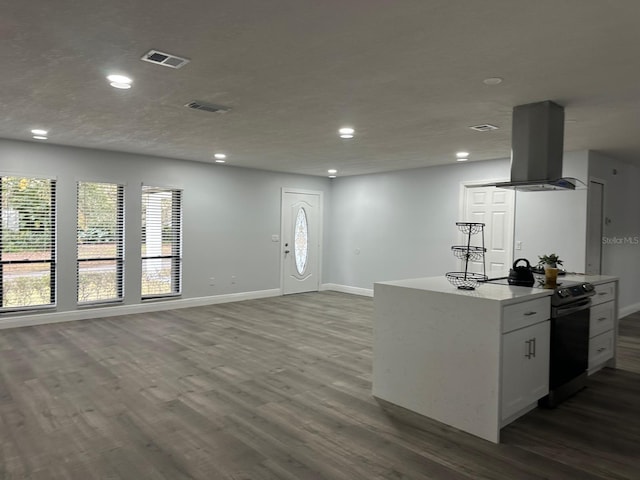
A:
(555, 222)
(621, 206)
(401, 224)
(229, 214)
(376, 227)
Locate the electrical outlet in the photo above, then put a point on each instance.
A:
(518, 245)
(212, 281)
(233, 279)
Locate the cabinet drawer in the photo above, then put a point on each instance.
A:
(605, 292)
(601, 318)
(524, 314)
(600, 349)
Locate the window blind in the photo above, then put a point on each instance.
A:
(161, 242)
(27, 242)
(100, 249)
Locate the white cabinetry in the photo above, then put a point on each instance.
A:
(475, 360)
(525, 357)
(525, 368)
(602, 327)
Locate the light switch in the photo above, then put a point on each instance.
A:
(275, 238)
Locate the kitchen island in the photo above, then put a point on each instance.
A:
(475, 360)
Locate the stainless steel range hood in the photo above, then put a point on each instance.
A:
(537, 137)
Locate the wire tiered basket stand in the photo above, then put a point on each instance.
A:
(469, 280)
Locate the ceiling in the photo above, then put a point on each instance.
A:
(406, 74)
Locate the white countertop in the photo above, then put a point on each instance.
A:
(581, 277)
(504, 294)
(487, 291)
(568, 277)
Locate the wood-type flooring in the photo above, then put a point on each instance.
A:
(277, 388)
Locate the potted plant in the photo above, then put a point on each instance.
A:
(551, 261)
(550, 264)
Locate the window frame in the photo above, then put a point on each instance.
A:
(176, 245)
(52, 261)
(119, 258)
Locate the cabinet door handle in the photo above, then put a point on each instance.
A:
(531, 348)
(601, 349)
(601, 319)
(528, 314)
(603, 293)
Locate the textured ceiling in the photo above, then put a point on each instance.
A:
(406, 74)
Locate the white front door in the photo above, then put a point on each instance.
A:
(300, 240)
(495, 208)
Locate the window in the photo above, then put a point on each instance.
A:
(100, 242)
(301, 241)
(161, 242)
(27, 242)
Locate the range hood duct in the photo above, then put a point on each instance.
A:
(537, 140)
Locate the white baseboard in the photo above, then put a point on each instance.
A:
(365, 292)
(629, 310)
(25, 320)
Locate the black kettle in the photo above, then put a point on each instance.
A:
(521, 275)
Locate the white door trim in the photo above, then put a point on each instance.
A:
(283, 191)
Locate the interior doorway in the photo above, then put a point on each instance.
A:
(301, 237)
(595, 229)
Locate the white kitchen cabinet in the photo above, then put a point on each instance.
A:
(525, 368)
(605, 292)
(475, 360)
(600, 350)
(523, 314)
(603, 321)
(601, 318)
(438, 350)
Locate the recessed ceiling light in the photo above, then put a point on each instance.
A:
(492, 81)
(40, 137)
(332, 171)
(462, 154)
(120, 81)
(220, 156)
(39, 131)
(123, 86)
(346, 132)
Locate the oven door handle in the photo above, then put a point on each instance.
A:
(569, 309)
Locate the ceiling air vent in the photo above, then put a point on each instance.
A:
(164, 59)
(486, 127)
(208, 107)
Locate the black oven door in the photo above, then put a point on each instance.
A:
(569, 343)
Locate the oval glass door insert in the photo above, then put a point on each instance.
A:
(301, 241)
